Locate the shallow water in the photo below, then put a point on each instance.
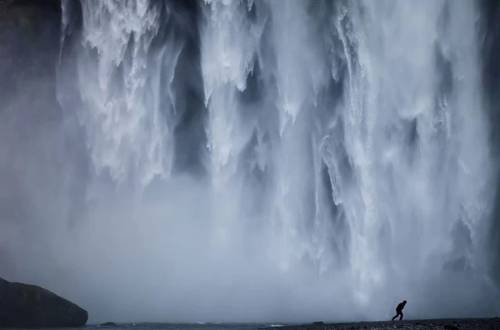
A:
(172, 326)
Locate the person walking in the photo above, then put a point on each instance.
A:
(399, 310)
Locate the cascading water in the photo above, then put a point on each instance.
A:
(338, 154)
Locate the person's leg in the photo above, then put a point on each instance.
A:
(395, 317)
(400, 316)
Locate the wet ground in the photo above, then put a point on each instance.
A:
(450, 324)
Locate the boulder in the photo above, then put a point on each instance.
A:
(24, 305)
(108, 324)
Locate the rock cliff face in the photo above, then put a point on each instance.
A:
(29, 46)
(23, 305)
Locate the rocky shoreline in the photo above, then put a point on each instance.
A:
(445, 324)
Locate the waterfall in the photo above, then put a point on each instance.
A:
(128, 106)
(343, 148)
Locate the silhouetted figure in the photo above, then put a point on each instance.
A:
(399, 310)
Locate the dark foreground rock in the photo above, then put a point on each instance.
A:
(108, 324)
(23, 305)
(448, 324)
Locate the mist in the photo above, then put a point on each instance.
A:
(251, 161)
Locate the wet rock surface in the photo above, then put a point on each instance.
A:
(448, 324)
(24, 305)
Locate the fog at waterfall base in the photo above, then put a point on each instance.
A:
(252, 161)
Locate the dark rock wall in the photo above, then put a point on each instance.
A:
(490, 56)
(31, 139)
(29, 47)
(23, 305)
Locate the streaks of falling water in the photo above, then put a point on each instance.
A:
(128, 112)
(414, 109)
(354, 129)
